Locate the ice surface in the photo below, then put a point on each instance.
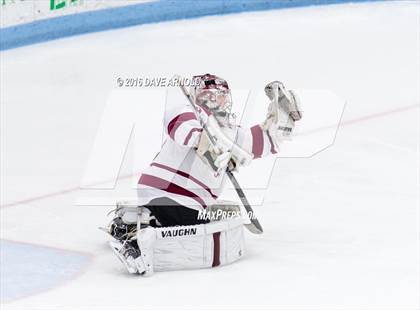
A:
(27, 269)
(341, 227)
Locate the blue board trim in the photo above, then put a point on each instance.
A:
(139, 14)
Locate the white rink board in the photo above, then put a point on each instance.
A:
(25, 11)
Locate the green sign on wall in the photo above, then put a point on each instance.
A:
(59, 4)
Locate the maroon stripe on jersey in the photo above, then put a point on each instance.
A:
(216, 249)
(272, 149)
(188, 137)
(257, 141)
(177, 121)
(152, 181)
(185, 175)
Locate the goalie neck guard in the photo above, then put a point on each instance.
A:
(213, 93)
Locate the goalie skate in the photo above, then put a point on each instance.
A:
(119, 230)
(129, 255)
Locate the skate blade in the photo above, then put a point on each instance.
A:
(116, 247)
(104, 230)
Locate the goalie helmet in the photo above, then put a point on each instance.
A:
(213, 93)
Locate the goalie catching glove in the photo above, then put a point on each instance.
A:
(283, 111)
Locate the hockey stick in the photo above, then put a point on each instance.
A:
(255, 226)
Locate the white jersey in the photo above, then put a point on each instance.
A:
(179, 173)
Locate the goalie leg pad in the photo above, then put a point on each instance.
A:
(198, 246)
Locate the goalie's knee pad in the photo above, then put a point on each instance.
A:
(194, 246)
(130, 213)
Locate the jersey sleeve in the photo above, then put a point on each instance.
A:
(257, 141)
(184, 128)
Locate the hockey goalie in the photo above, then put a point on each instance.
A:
(163, 229)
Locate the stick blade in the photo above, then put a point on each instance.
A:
(254, 227)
